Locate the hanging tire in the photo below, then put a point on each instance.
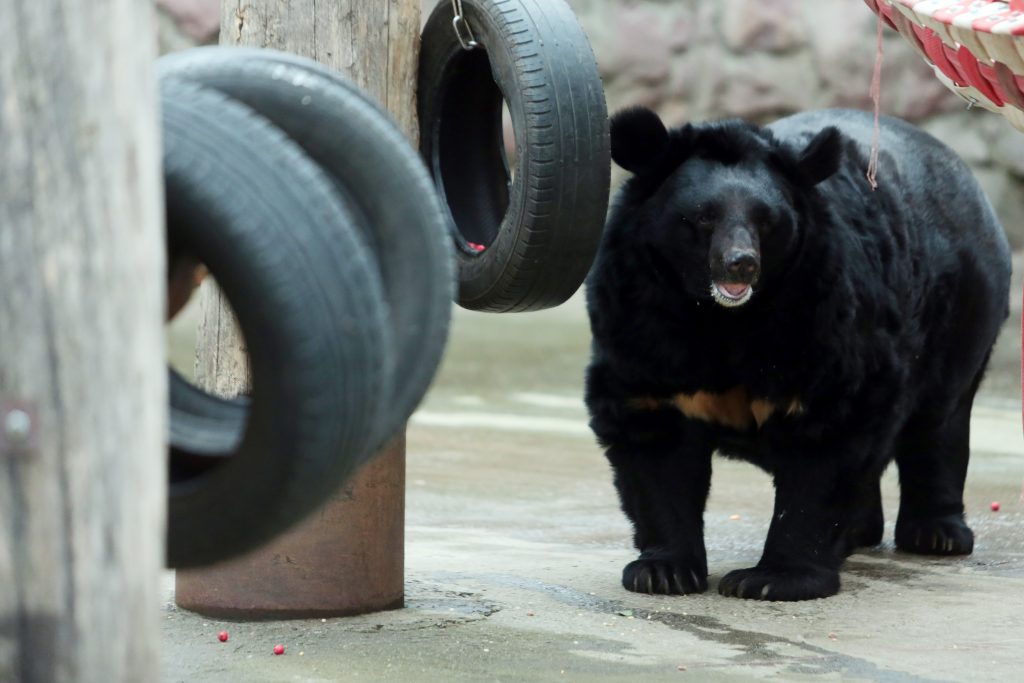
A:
(540, 227)
(269, 225)
(383, 181)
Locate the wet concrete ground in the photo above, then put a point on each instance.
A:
(514, 547)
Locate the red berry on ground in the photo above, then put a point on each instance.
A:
(995, 506)
(279, 649)
(222, 636)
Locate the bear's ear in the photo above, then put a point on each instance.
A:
(820, 159)
(639, 139)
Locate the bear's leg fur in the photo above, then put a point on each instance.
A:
(932, 459)
(811, 530)
(868, 525)
(663, 493)
(663, 474)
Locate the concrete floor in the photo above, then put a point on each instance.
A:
(514, 547)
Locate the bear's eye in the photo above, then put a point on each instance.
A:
(699, 218)
(764, 222)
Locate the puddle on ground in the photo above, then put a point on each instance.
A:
(888, 571)
(754, 648)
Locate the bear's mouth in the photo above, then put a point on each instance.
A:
(731, 294)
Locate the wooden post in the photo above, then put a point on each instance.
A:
(83, 471)
(349, 557)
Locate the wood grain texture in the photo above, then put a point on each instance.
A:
(222, 360)
(82, 276)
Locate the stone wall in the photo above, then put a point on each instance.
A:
(757, 59)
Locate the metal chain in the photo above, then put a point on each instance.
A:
(467, 40)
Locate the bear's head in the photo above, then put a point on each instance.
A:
(719, 207)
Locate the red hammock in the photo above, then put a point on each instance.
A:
(975, 46)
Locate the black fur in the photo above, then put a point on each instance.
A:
(872, 317)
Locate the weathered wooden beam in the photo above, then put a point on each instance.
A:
(82, 363)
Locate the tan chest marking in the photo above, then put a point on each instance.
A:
(762, 410)
(731, 409)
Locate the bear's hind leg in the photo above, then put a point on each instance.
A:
(932, 458)
(868, 524)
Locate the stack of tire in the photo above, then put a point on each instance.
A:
(322, 228)
(333, 242)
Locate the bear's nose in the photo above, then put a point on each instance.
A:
(742, 263)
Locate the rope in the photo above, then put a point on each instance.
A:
(876, 97)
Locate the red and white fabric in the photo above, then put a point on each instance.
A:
(975, 46)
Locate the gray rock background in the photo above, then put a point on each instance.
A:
(760, 59)
(756, 59)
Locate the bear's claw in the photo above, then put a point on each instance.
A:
(664, 576)
(762, 583)
(947, 535)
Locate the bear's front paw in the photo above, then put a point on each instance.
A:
(947, 535)
(666, 575)
(766, 583)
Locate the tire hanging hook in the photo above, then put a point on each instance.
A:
(467, 41)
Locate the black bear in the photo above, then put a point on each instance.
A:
(754, 296)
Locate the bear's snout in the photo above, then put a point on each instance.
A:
(735, 264)
(742, 264)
